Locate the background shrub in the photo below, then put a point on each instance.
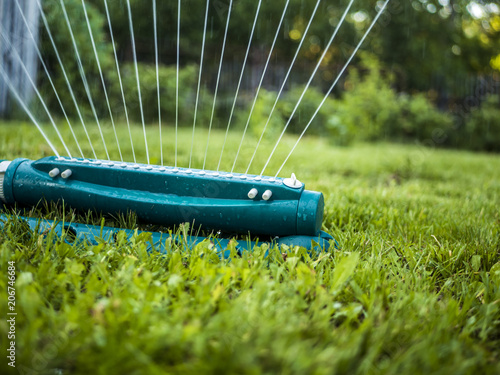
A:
(369, 106)
(482, 127)
(260, 116)
(306, 110)
(419, 119)
(371, 110)
(188, 79)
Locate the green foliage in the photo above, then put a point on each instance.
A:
(188, 79)
(419, 119)
(304, 113)
(482, 128)
(437, 43)
(260, 116)
(413, 287)
(192, 20)
(369, 105)
(187, 75)
(369, 110)
(61, 34)
(372, 110)
(325, 121)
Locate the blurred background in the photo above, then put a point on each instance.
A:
(429, 72)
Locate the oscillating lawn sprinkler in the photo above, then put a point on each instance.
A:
(273, 208)
(276, 208)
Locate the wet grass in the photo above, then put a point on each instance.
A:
(414, 286)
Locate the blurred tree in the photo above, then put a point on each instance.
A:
(434, 43)
(428, 45)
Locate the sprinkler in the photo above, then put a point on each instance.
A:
(227, 202)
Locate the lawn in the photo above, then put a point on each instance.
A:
(413, 287)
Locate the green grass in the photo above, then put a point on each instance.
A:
(414, 286)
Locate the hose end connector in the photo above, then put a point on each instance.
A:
(4, 164)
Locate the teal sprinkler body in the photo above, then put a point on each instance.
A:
(231, 203)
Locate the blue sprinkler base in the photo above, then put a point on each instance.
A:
(74, 233)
